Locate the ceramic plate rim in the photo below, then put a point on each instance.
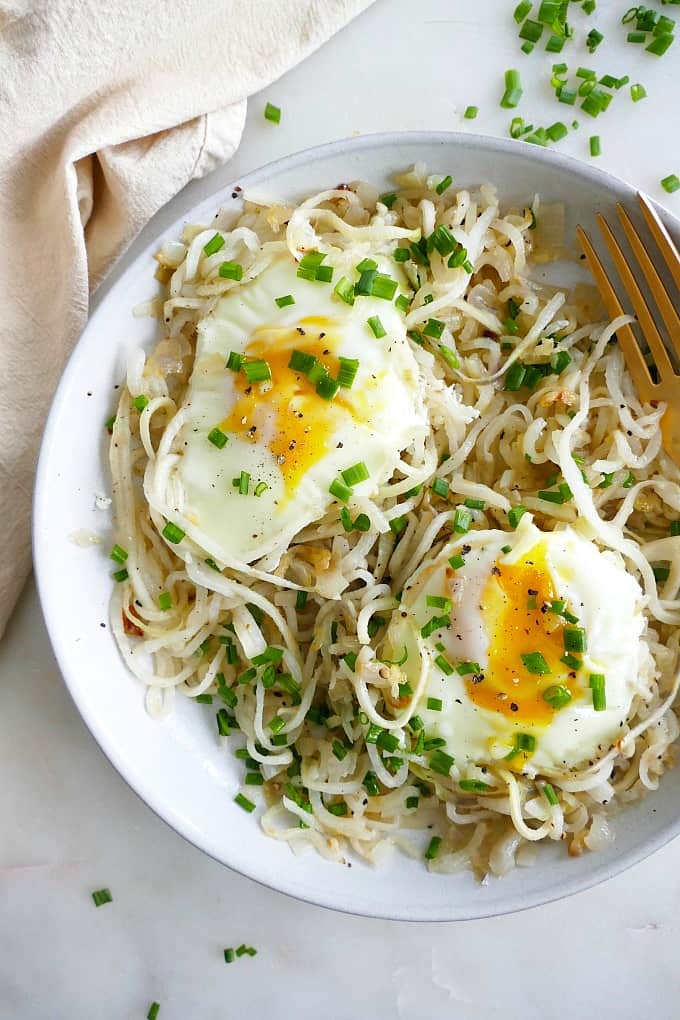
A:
(347, 146)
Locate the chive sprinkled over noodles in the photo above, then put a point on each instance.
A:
(337, 716)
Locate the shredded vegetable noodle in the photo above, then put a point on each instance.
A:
(523, 388)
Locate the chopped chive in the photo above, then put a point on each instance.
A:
(371, 785)
(172, 533)
(449, 356)
(383, 286)
(557, 131)
(223, 722)
(347, 372)
(515, 377)
(231, 271)
(154, 1010)
(229, 955)
(365, 265)
(398, 524)
(217, 438)
(524, 742)
(327, 387)
(301, 600)
(365, 283)
(338, 809)
(473, 786)
(243, 481)
(416, 723)
(119, 555)
(513, 86)
(402, 303)
(574, 639)
(270, 654)
(549, 794)
(140, 402)
(444, 665)
(324, 274)
(412, 802)
(272, 113)
(560, 362)
(515, 515)
(444, 184)
(475, 504)
(456, 561)
(462, 520)
(388, 199)
(301, 361)
(235, 361)
(214, 244)
(557, 695)
(466, 668)
(439, 602)
(277, 724)
(571, 661)
(376, 327)
(260, 488)
(284, 301)
(593, 39)
(109, 423)
(531, 31)
(341, 491)
(471, 112)
(434, 624)
(440, 487)
(660, 44)
(670, 183)
(434, 704)
(355, 474)
(521, 10)
(401, 255)
(102, 896)
(595, 149)
(244, 803)
(387, 741)
(637, 92)
(535, 663)
(597, 686)
(660, 573)
(165, 601)
(441, 762)
(257, 371)
(339, 750)
(433, 328)
(433, 848)
(345, 290)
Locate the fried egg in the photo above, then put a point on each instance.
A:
(530, 644)
(259, 458)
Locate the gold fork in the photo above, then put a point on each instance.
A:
(667, 386)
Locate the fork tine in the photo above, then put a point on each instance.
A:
(662, 237)
(644, 317)
(668, 312)
(627, 342)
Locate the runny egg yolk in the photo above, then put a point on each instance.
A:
(514, 606)
(287, 414)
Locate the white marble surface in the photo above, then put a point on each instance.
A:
(71, 825)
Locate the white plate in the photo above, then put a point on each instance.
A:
(176, 766)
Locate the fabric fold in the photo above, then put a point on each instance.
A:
(106, 112)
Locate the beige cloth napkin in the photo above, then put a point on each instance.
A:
(107, 109)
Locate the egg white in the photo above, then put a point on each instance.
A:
(607, 601)
(386, 403)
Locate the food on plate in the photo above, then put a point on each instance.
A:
(388, 502)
